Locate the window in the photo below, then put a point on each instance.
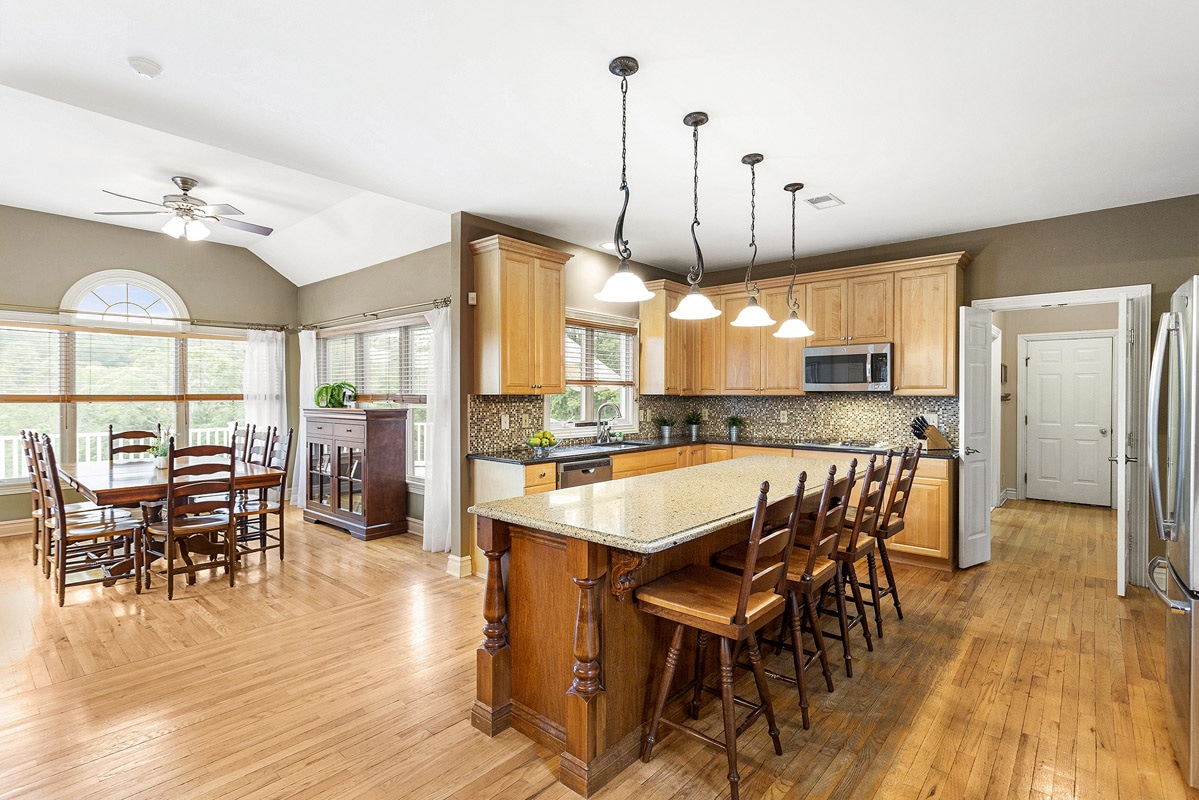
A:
(123, 360)
(386, 361)
(600, 365)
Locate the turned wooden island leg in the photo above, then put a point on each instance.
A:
(587, 564)
(492, 711)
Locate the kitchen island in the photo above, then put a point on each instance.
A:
(566, 658)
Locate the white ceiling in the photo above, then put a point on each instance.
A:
(355, 130)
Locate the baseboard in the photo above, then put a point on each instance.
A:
(459, 566)
(1005, 495)
(16, 527)
(416, 526)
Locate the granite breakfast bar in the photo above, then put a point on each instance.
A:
(566, 658)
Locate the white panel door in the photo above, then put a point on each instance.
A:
(1069, 413)
(976, 440)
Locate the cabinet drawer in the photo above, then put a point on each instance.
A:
(348, 431)
(540, 475)
(322, 429)
(661, 460)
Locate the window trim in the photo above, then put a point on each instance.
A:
(84, 286)
(607, 322)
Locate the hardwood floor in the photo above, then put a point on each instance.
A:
(348, 671)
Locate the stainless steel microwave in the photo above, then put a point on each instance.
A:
(847, 368)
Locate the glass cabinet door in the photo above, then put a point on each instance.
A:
(349, 479)
(320, 474)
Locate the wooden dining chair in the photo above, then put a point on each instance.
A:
(259, 443)
(120, 442)
(890, 522)
(253, 510)
(198, 519)
(101, 548)
(241, 439)
(732, 608)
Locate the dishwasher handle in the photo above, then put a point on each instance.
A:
(587, 466)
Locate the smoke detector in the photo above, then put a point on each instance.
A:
(145, 67)
(824, 201)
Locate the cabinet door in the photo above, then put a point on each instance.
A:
(697, 455)
(870, 307)
(926, 326)
(827, 312)
(709, 364)
(320, 474)
(682, 457)
(350, 473)
(548, 311)
(926, 521)
(717, 452)
(675, 365)
(782, 359)
(742, 349)
(517, 326)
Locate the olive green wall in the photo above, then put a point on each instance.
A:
(43, 255)
(1155, 243)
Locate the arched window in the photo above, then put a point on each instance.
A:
(124, 297)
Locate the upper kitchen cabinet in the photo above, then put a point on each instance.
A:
(853, 310)
(926, 315)
(755, 361)
(669, 346)
(520, 319)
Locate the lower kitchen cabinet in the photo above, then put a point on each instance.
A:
(717, 452)
(743, 450)
(930, 524)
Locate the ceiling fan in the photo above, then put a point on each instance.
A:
(186, 212)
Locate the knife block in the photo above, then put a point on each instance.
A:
(936, 441)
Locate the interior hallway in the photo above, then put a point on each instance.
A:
(348, 671)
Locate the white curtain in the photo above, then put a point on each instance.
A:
(264, 385)
(307, 389)
(438, 460)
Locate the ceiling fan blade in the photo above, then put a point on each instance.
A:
(242, 226)
(130, 213)
(219, 208)
(137, 199)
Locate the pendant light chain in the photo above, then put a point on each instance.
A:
(624, 132)
(697, 272)
(792, 303)
(752, 291)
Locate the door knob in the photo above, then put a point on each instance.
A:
(1103, 431)
(971, 451)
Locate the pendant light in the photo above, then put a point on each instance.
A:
(624, 286)
(793, 327)
(694, 305)
(753, 315)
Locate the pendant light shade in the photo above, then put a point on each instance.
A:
(624, 286)
(196, 230)
(793, 327)
(695, 306)
(175, 227)
(753, 316)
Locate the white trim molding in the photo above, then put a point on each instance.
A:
(459, 566)
(17, 527)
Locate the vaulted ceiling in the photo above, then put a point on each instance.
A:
(356, 130)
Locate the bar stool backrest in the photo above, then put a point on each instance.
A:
(901, 488)
(830, 516)
(870, 501)
(767, 554)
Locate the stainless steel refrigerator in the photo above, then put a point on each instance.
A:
(1174, 489)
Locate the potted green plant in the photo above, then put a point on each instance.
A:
(664, 424)
(335, 395)
(160, 450)
(735, 424)
(693, 419)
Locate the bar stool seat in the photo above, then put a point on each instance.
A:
(706, 593)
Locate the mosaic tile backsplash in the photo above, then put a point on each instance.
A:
(833, 415)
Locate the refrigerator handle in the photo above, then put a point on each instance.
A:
(1165, 528)
(1175, 606)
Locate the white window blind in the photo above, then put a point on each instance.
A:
(599, 356)
(387, 361)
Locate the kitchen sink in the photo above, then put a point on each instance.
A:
(617, 445)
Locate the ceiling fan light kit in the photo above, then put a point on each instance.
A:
(793, 327)
(623, 286)
(695, 305)
(187, 212)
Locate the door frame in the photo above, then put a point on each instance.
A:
(1133, 382)
(1022, 397)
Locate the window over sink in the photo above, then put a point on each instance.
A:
(600, 353)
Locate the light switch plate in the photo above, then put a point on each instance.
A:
(526, 421)
(705, 414)
(931, 417)
(783, 416)
(505, 422)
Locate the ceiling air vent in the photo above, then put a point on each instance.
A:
(824, 201)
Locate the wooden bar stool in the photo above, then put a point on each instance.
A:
(733, 608)
(857, 543)
(890, 522)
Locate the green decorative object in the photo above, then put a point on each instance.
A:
(335, 395)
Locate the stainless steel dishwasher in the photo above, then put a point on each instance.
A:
(583, 471)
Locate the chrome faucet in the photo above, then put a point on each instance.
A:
(602, 436)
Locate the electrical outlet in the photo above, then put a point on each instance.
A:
(783, 416)
(931, 417)
(505, 422)
(526, 421)
(704, 412)
(641, 413)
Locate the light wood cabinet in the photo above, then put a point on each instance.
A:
(871, 305)
(709, 371)
(743, 450)
(717, 452)
(356, 470)
(755, 361)
(669, 346)
(827, 312)
(925, 354)
(663, 460)
(520, 319)
(930, 520)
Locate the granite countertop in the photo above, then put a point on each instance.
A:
(650, 513)
(524, 455)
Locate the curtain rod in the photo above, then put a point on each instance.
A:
(441, 302)
(207, 323)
